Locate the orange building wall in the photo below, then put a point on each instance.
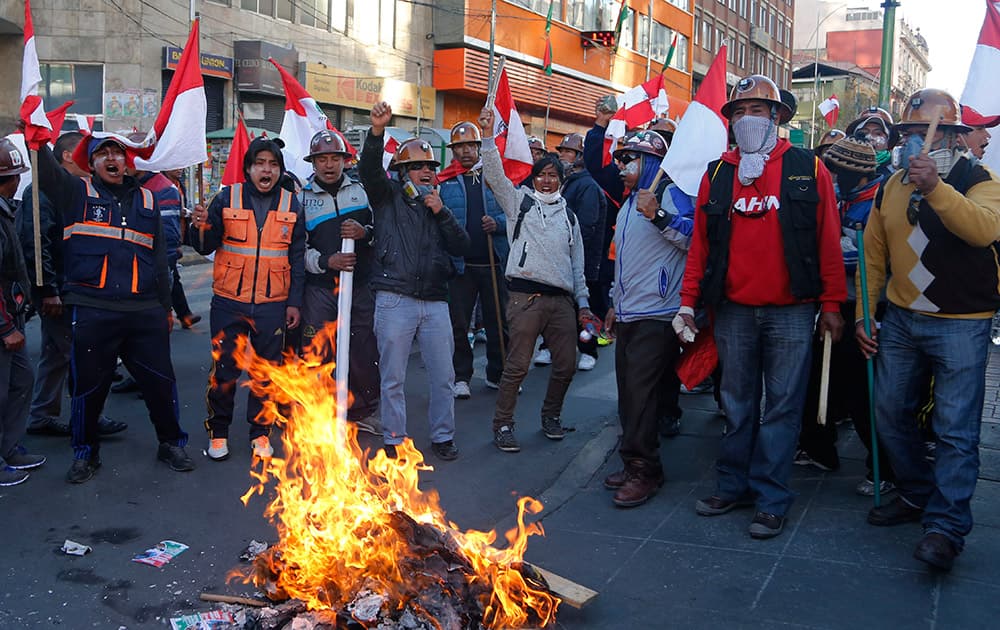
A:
(862, 48)
(460, 73)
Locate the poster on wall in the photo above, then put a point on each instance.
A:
(150, 104)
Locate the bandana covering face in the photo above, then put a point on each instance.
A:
(547, 198)
(756, 137)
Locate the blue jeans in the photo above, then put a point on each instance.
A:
(769, 346)
(398, 320)
(956, 351)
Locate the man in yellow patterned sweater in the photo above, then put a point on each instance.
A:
(935, 223)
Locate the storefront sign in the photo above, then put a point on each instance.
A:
(349, 89)
(211, 65)
(254, 73)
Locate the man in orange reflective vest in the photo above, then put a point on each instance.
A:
(257, 234)
(117, 286)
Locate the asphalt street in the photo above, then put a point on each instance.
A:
(656, 566)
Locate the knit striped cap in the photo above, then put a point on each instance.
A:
(850, 154)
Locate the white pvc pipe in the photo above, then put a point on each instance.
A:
(345, 297)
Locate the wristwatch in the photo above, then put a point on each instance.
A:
(660, 214)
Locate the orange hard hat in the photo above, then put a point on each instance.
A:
(757, 87)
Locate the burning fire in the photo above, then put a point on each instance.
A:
(347, 524)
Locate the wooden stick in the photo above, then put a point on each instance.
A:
(931, 130)
(36, 217)
(491, 97)
(496, 300)
(824, 379)
(656, 181)
(233, 599)
(572, 594)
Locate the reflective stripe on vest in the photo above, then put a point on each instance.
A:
(251, 251)
(89, 185)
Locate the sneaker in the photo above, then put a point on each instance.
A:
(48, 426)
(670, 426)
(802, 458)
(544, 357)
(218, 449)
(586, 363)
(462, 391)
(175, 456)
(107, 426)
(505, 440)
(189, 320)
(370, 424)
(10, 476)
(126, 385)
(262, 447)
(764, 525)
(866, 487)
(496, 385)
(716, 505)
(83, 470)
(552, 428)
(604, 339)
(445, 450)
(21, 459)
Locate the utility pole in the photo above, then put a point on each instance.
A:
(888, 44)
(493, 43)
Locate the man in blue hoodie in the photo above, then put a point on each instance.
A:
(651, 241)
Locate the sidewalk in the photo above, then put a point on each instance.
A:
(661, 565)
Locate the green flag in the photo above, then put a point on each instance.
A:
(622, 15)
(547, 59)
(670, 54)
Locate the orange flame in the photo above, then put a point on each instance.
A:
(333, 506)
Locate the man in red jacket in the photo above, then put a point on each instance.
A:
(765, 256)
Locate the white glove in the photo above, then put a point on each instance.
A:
(681, 328)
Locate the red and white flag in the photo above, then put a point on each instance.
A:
(37, 129)
(389, 147)
(636, 107)
(85, 123)
(237, 150)
(56, 119)
(509, 134)
(830, 108)
(702, 134)
(178, 134)
(981, 99)
(303, 119)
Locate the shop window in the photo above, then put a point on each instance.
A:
(542, 7)
(78, 82)
(314, 12)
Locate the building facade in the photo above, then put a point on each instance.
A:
(839, 33)
(114, 58)
(758, 34)
(586, 65)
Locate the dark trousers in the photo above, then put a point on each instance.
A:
(15, 394)
(319, 308)
(848, 397)
(529, 315)
(142, 340)
(646, 351)
(177, 297)
(463, 291)
(264, 325)
(53, 366)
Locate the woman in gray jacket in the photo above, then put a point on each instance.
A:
(548, 292)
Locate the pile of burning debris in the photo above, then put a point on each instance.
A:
(360, 545)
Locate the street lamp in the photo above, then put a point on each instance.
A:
(815, 36)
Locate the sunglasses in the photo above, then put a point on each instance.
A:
(625, 158)
(419, 166)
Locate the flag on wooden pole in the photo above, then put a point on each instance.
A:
(37, 129)
(237, 150)
(830, 108)
(619, 24)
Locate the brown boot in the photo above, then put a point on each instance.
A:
(642, 483)
(616, 480)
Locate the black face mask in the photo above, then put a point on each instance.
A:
(848, 181)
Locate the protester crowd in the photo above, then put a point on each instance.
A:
(884, 225)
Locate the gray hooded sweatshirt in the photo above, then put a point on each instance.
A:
(548, 248)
